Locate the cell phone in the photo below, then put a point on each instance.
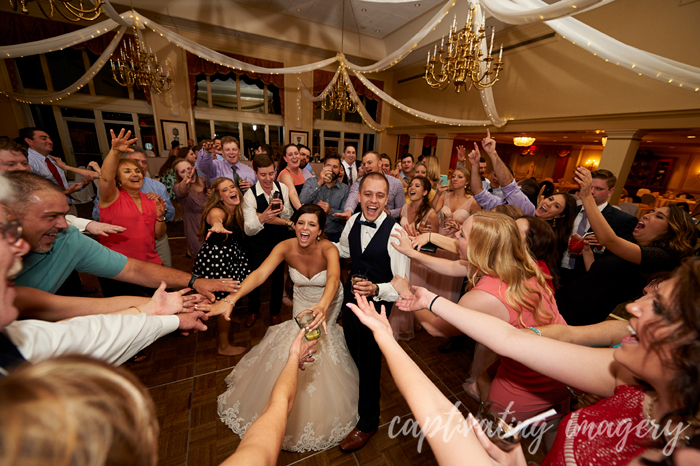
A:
(443, 179)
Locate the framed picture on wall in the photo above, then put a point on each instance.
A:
(299, 137)
(174, 131)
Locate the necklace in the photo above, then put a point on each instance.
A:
(648, 409)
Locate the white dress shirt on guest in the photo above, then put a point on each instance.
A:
(250, 207)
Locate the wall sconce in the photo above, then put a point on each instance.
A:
(604, 140)
(591, 164)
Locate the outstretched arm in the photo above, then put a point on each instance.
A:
(286, 178)
(256, 278)
(595, 370)
(263, 440)
(502, 172)
(435, 414)
(436, 264)
(605, 235)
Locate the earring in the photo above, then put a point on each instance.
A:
(318, 238)
(554, 223)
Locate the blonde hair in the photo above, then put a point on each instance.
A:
(467, 176)
(432, 168)
(496, 248)
(76, 411)
(214, 202)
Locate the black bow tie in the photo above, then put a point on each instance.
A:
(367, 224)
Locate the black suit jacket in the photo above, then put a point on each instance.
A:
(623, 225)
(346, 180)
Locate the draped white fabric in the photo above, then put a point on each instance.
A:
(223, 60)
(94, 69)
(403, 51)
(323, 94)
(411, 111)
(511, 13)
(60, 42)
(366, 117)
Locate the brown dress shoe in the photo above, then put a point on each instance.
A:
(355, 440)
(276, 320)
(250, 320)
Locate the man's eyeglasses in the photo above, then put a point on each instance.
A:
(12, 231)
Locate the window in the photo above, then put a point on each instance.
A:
(231, 92)
(30, 72)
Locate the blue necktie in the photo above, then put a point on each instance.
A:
(368, 224)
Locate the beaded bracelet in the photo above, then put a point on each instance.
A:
(539, 334)
(230, 302)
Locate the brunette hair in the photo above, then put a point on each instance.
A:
(261, 161)
(496, 249)
(311, 209)
(564, 224)
(228, 140)
(123, 162)
(373, 175)
(605, 175)
(214, 202)
(542, 244)
(511, 211)
(283, 162)
(76, 410)
(168, 165)
(425, 206)
(182, 153)
(177, 161)
(681, 236)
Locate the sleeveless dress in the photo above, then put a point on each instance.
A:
(402, 323)
(325, 408)
(451, 287)
(221, 256)
(138, 241)
(298, 180)
(192, 208)
(618, 417)
(531, 392)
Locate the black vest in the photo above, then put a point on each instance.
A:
(374, 262)
(10, 357)
(271, 235)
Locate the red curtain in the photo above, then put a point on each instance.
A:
(560, 167)
(323, 78)
(197, 66)
(430, 141)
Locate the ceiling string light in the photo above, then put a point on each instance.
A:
(462, 62)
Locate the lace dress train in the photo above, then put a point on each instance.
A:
(325, 408)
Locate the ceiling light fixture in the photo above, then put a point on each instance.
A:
(462, 62)
(73, 13)
(691, 137)
(604, 140)
(523, 141)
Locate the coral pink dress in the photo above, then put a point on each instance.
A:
(138, 241)
(451, 287)
(531, 392)
(626, 436)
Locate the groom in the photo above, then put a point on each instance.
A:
(365, 240)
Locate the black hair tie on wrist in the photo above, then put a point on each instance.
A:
(430, 308)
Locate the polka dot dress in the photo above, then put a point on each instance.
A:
(222, 256)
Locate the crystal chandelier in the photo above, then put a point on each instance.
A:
(338, 97)
(523, 141)
(137, 67)
(74, 9)
(461, 63)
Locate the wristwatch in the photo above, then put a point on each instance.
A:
(191, 283)
(376, 291)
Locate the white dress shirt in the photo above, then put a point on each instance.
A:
(112, 338)
(400, 264)
(250, 207)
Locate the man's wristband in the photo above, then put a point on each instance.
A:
(191, 283)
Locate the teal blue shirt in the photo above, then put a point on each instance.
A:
(71, 251)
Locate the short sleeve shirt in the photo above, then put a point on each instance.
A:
(71, 251)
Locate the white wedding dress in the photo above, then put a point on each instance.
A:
(325, 407)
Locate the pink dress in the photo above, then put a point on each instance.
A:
(626, 432)
(530, 391)
(138, 241)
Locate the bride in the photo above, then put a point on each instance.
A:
(325, 410)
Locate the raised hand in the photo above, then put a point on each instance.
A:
(474, 157)
(58, 162)
(218, 227)
(73, 188)
(206, 286)
(208, 146)
(489, 144)
(421, 240)
(461, 153)
(404, 245)
(95, 166)
(585, 180)
(366, 312)
(122, 142)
